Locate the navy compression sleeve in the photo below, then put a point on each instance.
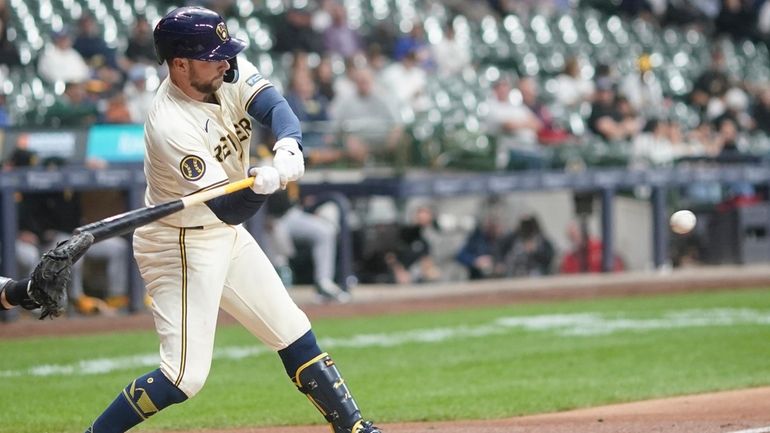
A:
(272, 110)
(237, 207)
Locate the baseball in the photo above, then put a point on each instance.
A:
(682, 222)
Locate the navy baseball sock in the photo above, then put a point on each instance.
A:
(299, 352)
(141, 399)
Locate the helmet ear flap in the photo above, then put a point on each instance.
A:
(231, 75)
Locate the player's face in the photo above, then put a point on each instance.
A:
(207, 77)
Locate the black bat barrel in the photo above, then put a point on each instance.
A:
(121, 224)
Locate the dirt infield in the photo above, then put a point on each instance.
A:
(746, 411)
(743, 411)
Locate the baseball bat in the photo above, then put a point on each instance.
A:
(121, 224)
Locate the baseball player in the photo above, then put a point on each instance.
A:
(202, 259)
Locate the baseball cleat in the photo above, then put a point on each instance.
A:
(328, 291)
(365, 427)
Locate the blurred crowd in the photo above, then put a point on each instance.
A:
(360, 90)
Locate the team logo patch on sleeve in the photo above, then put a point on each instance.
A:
(192, 167)
(252, 80)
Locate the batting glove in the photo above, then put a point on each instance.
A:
(288, 160)
(266, 180)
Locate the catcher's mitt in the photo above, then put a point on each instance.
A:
(51, 276)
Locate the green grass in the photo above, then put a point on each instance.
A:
(484, 370)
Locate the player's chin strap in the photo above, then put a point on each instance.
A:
(321, 382)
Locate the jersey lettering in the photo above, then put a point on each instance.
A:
(236, 145)
(227, 144)
(243, 129)
(222, 150)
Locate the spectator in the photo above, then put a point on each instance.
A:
(452, 55)
(324, 78)
(296, 33)
(5, 116)
(9, 53)
(761, 111)
(376, 58)
(405, 80)
(91, 45)
(763, 22)
(139, 97)
(527, 252)
(515, 128)
(117, 109)
(383, 35)
(289, 221)
(735, 105)
(586, 253)
(572, 88)
(642, 89)
(653, 145)
(548, 133)
(611, 116)
(340, 38)
(414, 44)
(728, 143)
(444, 235)
(712, 83)
(73, 108)
(483, 252)
(736, 19)
(141, 47)
(60, 62)
(413, 260)
(368, 123)
(312, 110)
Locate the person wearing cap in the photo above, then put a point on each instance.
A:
(61, 62)
(201, 259)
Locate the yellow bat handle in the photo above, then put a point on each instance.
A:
(216, 192)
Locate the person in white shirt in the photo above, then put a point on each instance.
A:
(514, 127)
(572, 88)
(451, 54)
(60, 62)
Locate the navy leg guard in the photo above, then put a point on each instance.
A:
(321, 382)
(298, 352)
(141, 399)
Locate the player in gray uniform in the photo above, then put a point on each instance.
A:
(202, 259)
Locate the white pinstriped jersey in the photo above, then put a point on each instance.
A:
(192, 146)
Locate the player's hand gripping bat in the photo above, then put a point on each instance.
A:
(123, 223)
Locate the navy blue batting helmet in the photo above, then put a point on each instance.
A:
(193, 32)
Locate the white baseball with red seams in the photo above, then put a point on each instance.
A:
(682, 222)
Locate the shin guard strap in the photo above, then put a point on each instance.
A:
(320, 380)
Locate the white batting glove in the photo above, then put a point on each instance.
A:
(266, 180)
(288, 160)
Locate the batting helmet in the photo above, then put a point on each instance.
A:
(198, 33)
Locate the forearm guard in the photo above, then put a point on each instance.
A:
(321, 382)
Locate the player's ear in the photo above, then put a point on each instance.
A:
(180, 63)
